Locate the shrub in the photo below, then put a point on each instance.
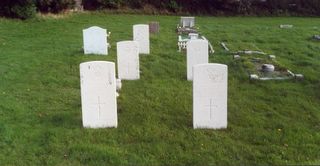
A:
(54, 6)
(102, 4)
(22, 9)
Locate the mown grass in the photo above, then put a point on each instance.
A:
(274, 122)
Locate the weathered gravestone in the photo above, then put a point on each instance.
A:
(98, 94)
(95, 41)
(154, 27)
(210, 85)
(141, 35)
(187, 21)
(197, 53)
(128, 60)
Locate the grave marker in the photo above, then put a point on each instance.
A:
(187, 22)
(141, 35)
(95, 41)
(98, 94)
(154, 27)
(128, 60)
(197, 53)
(210, 85)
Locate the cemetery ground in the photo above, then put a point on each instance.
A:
(269, 122)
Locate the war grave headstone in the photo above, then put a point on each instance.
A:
(95, 41)
(98, 94)
(128, 60)
(197, 53)
(141, 35)
(210, 86)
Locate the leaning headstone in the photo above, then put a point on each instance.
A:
(197, 53)
(210, 86)
(98, 94)
(128, 60)
(95, 41)
(154, 27)
(187, 22)
(141, 35)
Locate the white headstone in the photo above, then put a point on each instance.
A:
(95, 41)
(98, 94)
(128, 60)
(197, 53)
(141, 35)
(187, 21)
(210, 86)
(193, 36)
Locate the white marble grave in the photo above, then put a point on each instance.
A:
(210, 86)
(98, 94)
(187, 21)
(95, 41)
(197, 53)
(141, 35)
(128, 60)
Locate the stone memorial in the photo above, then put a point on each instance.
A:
(197, 53)
(154, 27)
(128, 60)
(95, 41)
(193, 36)
(141, 35)
(187, 22)
(210, 86)
(98, 94)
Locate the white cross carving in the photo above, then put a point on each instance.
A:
(211, 105)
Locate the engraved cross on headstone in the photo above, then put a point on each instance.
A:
(99, 103)
(211, 106)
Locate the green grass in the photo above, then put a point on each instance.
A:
(269, 123)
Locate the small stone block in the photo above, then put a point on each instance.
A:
(118, 84)
(299, 76)
(272, 56)
(254, 77)
(236, 56)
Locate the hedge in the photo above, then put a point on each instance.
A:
(27, 8)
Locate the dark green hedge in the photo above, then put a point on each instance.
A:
(53, 6)
(27, 8)
(215, 7)
(24, 9)
(17, 8)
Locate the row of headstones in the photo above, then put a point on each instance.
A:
(210, 83)
(210, 86)
(98, 79)
(95, 39)
(98, 86)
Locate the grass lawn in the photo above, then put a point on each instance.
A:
(273, 122)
